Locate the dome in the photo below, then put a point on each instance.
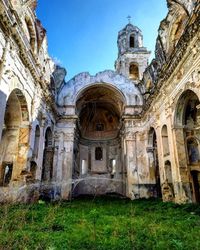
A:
(129, 28)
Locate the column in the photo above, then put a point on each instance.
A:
(182, 185)
(65, 155)
(132, 189)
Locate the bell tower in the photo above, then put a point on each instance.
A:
(132, 56)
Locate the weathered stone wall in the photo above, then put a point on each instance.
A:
(46, 147)
(25, 70)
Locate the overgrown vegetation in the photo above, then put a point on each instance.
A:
(103, 223)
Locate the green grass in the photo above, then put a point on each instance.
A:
(103, 223)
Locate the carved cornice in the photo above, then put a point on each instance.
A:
(173, 61)
(10, 24)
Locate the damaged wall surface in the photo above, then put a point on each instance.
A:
(134, 131)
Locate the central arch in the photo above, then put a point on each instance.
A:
(97, 148)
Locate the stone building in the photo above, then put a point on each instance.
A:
(134, 131)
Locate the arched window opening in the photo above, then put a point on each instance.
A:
(98, 154)
(132, 41)
(193, 151)
(134, 72)
(36, 142)
(165, 141)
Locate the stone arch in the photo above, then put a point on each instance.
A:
(153, 160)
(47, 166)
(108, 78)
(181, 114)
(165, 140)
(15, 138)
(116, 95)
(97, 147)
(134, 71)
(187, 134)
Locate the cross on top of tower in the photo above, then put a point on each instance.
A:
(129, 18)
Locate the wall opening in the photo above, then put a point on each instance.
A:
(134, 71)
(132, 41)
(98, 154)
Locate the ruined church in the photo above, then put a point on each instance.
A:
(134, 131)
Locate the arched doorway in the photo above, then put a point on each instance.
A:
(47, 166)
(98, 147)
(153, 160)
(15, 138)
(187, 119)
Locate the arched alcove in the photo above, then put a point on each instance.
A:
(47, 166)
(36, 141)
(99, 109)
(153, 159)
(15, 138)
(165, 141)
(186, 119)
(192, 151)
(168, 172)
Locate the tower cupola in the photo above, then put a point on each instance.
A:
(132, 56)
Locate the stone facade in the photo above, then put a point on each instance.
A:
(133, 131)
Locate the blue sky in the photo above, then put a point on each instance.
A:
(82, 34)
